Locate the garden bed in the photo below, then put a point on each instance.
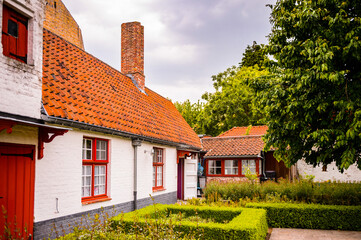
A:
(197, 221)
(306, 191)
(311, 216)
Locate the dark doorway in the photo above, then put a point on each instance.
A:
(273, 165)
(180, 181)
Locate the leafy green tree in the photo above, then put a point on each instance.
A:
(190, 112)
(232, 104)
(253, 55)
(313, 106)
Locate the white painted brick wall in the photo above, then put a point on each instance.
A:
(145, 170)
(58, 174)
(332, 173)
(20, 83)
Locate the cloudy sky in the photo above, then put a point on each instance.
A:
(186, 41)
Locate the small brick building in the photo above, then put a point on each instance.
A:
(228, 155)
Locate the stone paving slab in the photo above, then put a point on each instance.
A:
(308, 234)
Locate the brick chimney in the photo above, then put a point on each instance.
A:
(133, 53)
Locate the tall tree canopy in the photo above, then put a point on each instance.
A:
(314, 103)
(232, 104)
(191, 112)
(253, 55)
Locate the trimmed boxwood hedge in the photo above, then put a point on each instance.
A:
(244, 223)
(311, 216)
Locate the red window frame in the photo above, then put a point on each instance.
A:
(157, 164)
(240, 174)
(15, 47)
(95, 162)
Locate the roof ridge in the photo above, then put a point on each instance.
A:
(83, 50)
(227, 137)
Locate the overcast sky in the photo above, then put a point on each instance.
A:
(186, 41)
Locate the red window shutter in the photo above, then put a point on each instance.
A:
(15, 47)
(5, 37)
(13, 42)
(22, 43)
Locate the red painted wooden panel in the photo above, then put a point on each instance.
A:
(5, 38)
(22, 47)
(17, 177)
(15, 47)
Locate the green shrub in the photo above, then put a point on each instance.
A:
(240, 223)
(303, 191)
(311, 216)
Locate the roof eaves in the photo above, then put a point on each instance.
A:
(233, 156)
(95, 128)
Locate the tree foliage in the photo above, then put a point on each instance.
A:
(253, 55)
(232, 104)
(313, 106)
(190, 112)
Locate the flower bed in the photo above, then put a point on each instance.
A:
(207, 222)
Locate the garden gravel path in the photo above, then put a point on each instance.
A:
(308, 234)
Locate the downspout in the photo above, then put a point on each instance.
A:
(135, 143)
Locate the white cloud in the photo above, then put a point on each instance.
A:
(186, 41)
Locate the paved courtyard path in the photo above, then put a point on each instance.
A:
(308, 234)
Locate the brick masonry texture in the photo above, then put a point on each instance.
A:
(20, 83)
(59, 21)
(132, 54)
(228, 179)
(56, 227)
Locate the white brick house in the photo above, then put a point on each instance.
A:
(114, 142)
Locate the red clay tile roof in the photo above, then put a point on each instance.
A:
(232, 146)
(79, 87)
(241, 131)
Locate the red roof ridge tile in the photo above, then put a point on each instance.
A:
(237, 131)
(83, 50)
(232, 137)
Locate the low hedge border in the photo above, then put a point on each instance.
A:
(311, 216)
(246, 223)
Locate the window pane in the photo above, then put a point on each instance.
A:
(235, 163)
(87, 149)
(211, 163)
(228, 163)
(154, 176)
(12, 28)
(231, 167)
(101, 150)
(248, 164)
(99, 179)
(160, 155)
(86, 181)
(159, 176)
(215, 167)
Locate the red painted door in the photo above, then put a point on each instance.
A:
(17, 177)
